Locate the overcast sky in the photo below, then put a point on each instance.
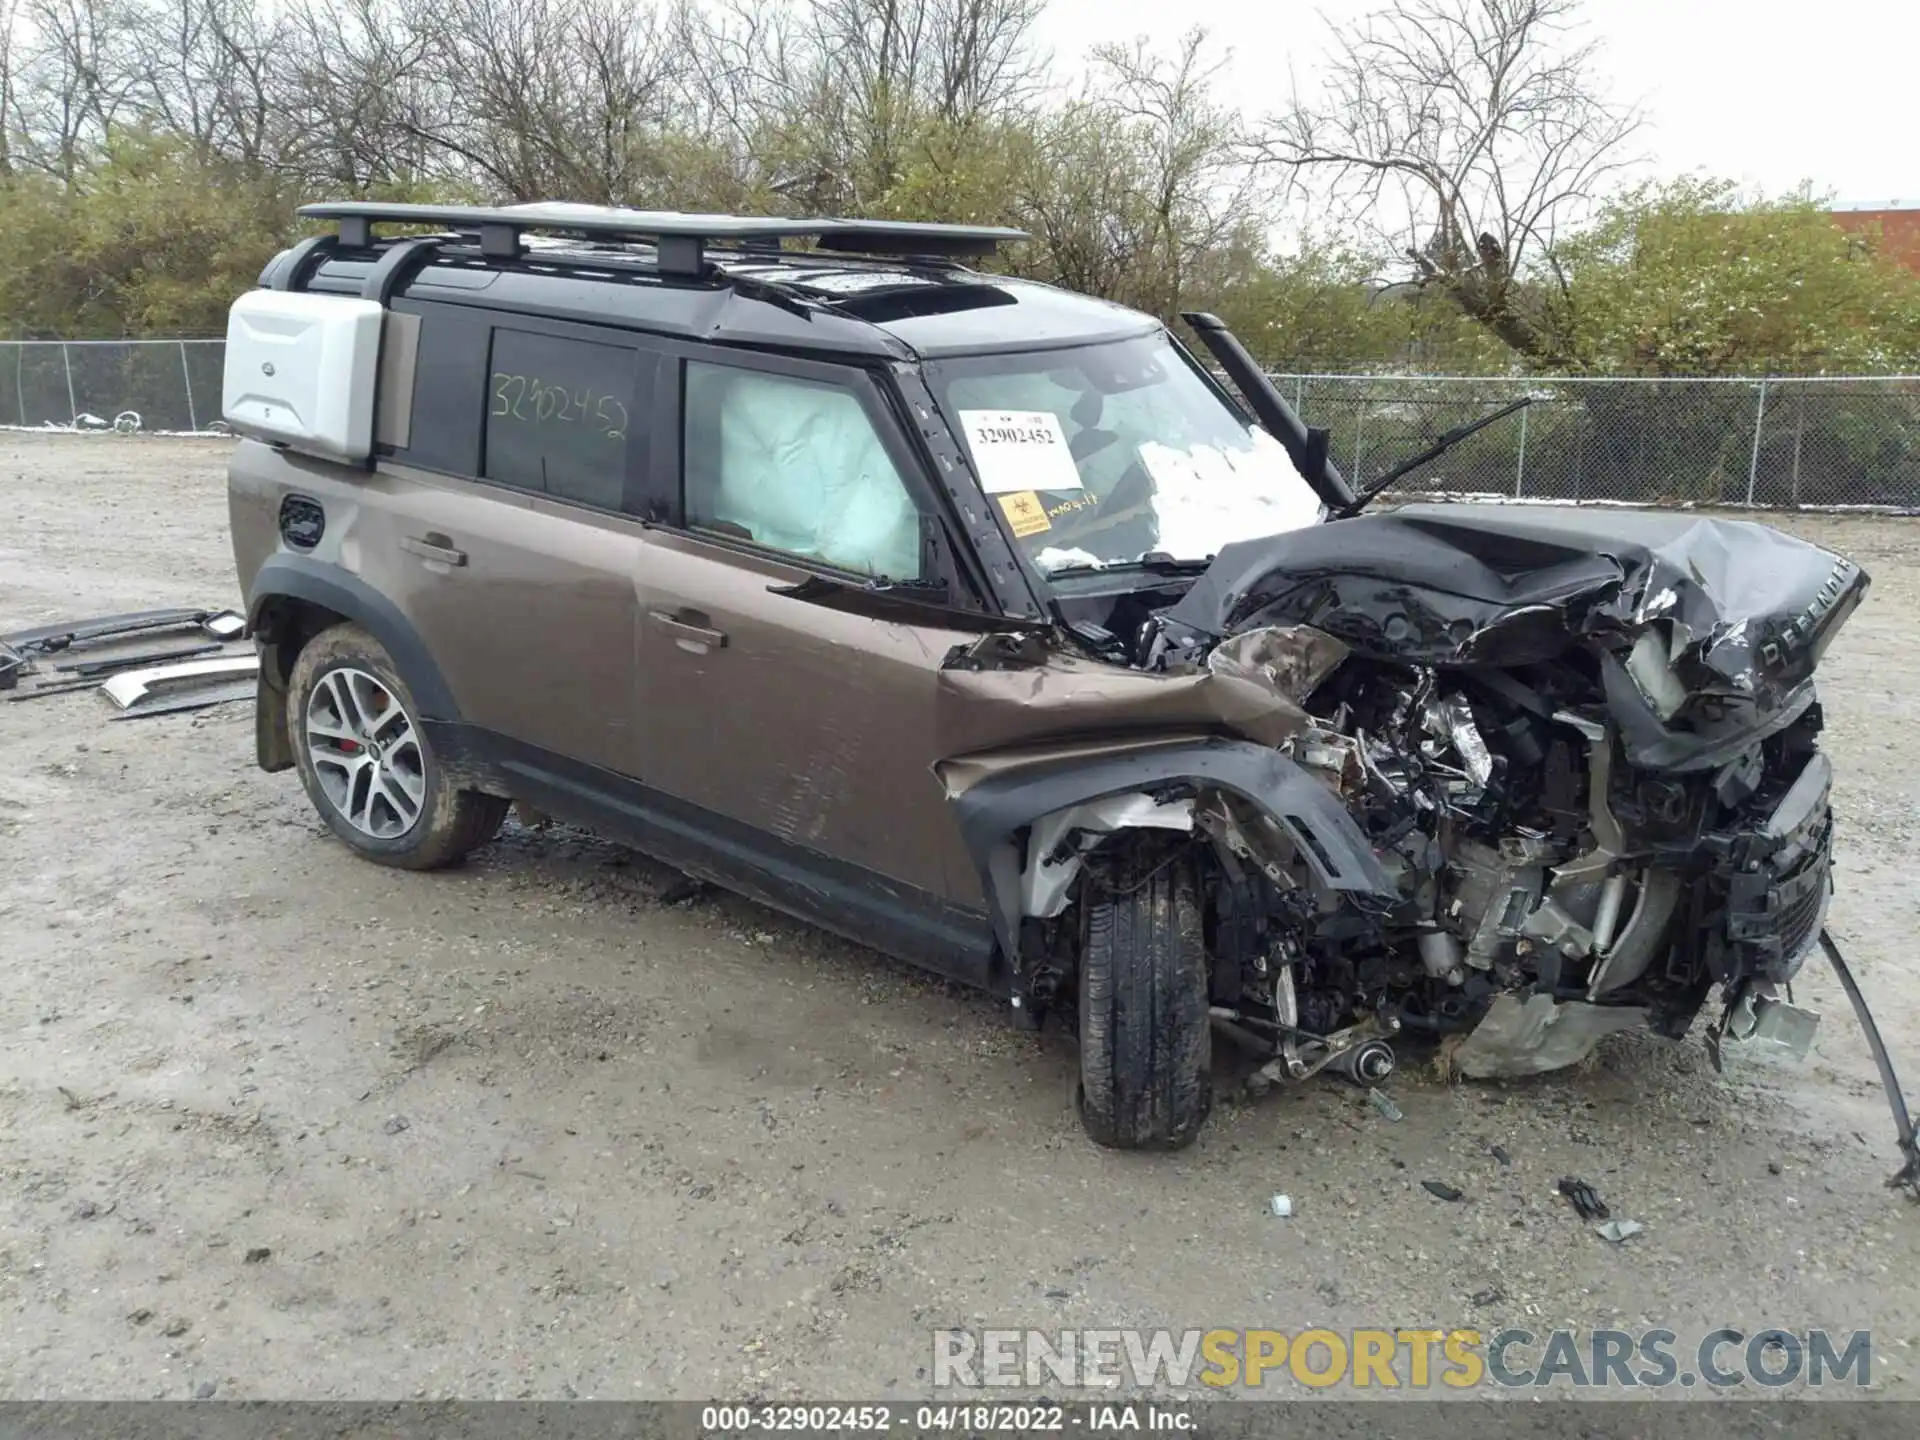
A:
(1767, 92)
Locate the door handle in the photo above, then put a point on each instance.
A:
(435, 547)
(687, 633)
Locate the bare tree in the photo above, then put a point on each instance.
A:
(1472, 129)
(350, 81)
(1144, 181)
(75, 80)
(1196, 188)
(9, 51)
(869, 81)
(199, 70)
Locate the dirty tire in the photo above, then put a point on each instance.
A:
(449, 822)
(1146, 1052)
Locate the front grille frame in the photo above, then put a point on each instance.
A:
(1778, 882)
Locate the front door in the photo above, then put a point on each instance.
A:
(805, 735)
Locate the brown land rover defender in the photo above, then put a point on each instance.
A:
(980, 622)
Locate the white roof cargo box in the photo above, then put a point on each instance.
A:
(301, 370)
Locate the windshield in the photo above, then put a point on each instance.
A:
(1106, 454)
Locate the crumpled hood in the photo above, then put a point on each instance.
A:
(1744, 610)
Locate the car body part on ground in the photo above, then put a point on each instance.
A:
(174, 686)
(191, 700)
(66, 679)
(55, 687)
(12, 663)
(1094, 691)
(1384, 1105)
(61, 634)
(1585, 1199)
(222, 625)
(107, 664)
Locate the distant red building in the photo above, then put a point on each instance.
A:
(1898, 224)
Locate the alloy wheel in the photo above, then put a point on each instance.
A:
(366, 753)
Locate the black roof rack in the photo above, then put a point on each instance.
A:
(679, 240)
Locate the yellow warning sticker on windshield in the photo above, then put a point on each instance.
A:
(1025, 514)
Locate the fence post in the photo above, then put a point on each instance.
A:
(1520, 471)
(1299, 394)
(1799, 434)
(73, 406)
(19, 383)
(1759, 425)
(193, 421)
(1359, 440)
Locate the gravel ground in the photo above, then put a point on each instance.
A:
(291, 1125)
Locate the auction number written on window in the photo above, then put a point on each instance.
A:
(530, 399)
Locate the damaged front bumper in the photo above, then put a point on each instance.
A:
(1758, 893)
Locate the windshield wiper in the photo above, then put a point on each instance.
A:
(1157, 562)
(1439, 447)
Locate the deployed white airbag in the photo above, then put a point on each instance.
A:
(802, 470)
(300, 371)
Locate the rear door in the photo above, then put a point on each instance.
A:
(803, 737)
(514, 532)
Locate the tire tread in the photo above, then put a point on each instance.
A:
(1145, 1031)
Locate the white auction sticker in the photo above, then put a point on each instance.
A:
(1019, 450)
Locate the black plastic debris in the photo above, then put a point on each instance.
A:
(1441, 1190)
(1908, 1175)
(109, 664)
(1586, 1200)
(73, 634)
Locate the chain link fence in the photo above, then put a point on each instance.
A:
(166, 386)
(1770, 443)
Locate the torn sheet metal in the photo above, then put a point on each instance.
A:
(1766, 1019)
(1450, 719)
(1068, 695)
(1536, 1034)
(1291, 661)
(145, 691)
(1738, 613)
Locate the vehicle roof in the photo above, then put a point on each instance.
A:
(894, 308)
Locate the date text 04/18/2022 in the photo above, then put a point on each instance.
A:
(953, 1418)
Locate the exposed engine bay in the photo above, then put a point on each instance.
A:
(1581, 750)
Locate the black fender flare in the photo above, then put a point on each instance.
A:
(1327, 837)
(300, 577)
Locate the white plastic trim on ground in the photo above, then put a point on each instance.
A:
(127, 422)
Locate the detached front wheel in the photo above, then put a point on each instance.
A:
(1146, 1051)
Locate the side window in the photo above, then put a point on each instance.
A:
(559, 412)
(795, 465)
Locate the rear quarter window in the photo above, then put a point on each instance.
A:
(559, 415)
